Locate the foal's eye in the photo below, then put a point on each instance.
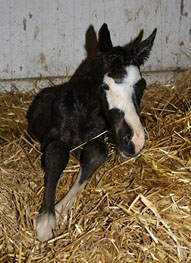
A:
(105, 86)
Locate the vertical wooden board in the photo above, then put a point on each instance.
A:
(65, 37)
(149, 14)
(113, 19)
(128, 17)
(35, 63)
(49, 57)
(170, 26)
(184, 40)
(96, 16)
(81, 24)
(18, 38)
(5, 40)
(146, 15)
(96, 20)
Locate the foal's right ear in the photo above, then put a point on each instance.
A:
(142, 51)
(104, 39)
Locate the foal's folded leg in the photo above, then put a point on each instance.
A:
(55, 157)
(93, 155)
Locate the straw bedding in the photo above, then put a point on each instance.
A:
(135, 210)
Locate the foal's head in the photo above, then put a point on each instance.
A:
(123, 88)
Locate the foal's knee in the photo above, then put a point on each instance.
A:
(95, 153)
(93, 156)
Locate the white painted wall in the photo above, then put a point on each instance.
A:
(47, 37)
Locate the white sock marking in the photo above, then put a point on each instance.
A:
(65, 205)
(45, 224)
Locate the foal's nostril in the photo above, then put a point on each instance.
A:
(126, 138)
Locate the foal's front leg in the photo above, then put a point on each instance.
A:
(93, 155)
(56, 157)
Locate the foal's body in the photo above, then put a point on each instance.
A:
(68, 115)
(74, 112)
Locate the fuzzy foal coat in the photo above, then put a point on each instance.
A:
(65, 116)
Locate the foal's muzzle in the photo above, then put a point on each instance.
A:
(131, 147)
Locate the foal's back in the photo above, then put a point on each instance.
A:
(72, 112)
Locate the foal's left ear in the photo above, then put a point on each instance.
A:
(104, 39)
(142, 51)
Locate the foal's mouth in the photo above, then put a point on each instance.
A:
(124, 155)
(127, 156)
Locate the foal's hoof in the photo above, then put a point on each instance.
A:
(45, 225)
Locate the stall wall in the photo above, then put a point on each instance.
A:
(47, 38)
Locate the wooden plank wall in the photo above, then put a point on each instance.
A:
(47, 37)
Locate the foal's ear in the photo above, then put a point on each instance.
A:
(142, 51)
(104, 39)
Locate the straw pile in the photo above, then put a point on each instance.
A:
(135, 210)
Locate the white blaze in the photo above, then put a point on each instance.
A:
(120, 96)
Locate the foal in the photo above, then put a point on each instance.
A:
(106, 96)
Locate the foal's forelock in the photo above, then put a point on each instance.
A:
(120, 96)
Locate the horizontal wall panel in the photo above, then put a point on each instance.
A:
(47, 38)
